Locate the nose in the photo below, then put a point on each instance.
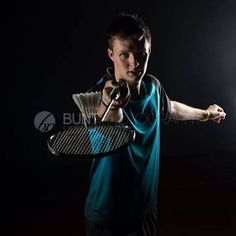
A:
(133, 61)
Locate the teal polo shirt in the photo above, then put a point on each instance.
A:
(123, 186)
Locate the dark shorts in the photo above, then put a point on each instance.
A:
(146, 227)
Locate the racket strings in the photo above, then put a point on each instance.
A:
(79, 147)
(74, 141)
(81, 140)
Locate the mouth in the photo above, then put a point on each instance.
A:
(135, 72)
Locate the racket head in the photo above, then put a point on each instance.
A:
(93, 141)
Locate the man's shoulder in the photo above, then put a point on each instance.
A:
(152, 79)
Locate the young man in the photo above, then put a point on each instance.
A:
(123, 187)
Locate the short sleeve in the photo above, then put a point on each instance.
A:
(165, 104)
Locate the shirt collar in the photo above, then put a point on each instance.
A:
(110, 73)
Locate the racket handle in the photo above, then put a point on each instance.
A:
(114, 95)
(107, 109)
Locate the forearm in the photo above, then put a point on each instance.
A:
(180, 111)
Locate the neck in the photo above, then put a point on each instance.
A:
(135, 89)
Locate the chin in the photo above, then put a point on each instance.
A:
(133, 80)
(133, 77)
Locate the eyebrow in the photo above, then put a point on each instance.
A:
(137, 52)
(123, 50)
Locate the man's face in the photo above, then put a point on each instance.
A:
(130, 58)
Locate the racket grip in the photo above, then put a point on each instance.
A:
(107, 109)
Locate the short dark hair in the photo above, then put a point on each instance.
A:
(126, 26)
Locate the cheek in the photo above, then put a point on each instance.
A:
(125, 63)
(122, 63)
(145, 62)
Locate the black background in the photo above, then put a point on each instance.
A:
(51, 50)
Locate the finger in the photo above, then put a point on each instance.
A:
(111, 84)
(109, 87)
(219, 116)
(106, 95)
(223, 115)
(217, 120)
(106, 92)
(219, 108)
(116, 103)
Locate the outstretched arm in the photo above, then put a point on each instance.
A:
(180, 111)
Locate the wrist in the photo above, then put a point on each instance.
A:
(114, 115)
(206, 116)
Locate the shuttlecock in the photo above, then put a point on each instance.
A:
(87, 103)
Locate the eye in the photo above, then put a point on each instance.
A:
(124, 55)
(142, 54)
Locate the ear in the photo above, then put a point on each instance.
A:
(110, 54)
(150, 50)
